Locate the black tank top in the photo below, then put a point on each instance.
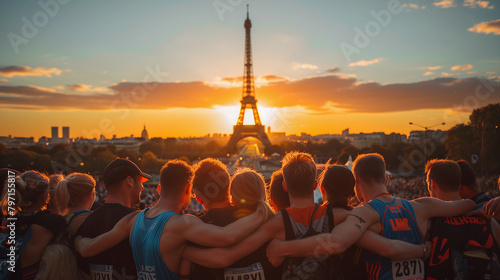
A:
(102, 220)
(257, 259)
(459, 246)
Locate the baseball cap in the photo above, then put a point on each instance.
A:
(120, 169)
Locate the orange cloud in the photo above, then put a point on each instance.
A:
(87, 88)
(478, 3)
(445, 4)
(11, 71)
(413, 6)
(487, 27)
(444, 74)
(365, 62)
(428, 73)
(461, 67)
(432, 67)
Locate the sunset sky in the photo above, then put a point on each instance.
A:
(109, 67)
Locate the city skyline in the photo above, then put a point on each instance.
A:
(320, 68)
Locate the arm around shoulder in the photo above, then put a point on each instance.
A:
(196, 231)
(434, 207)
(391, 248)
(88, 247)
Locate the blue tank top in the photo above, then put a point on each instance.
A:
(398, 222)
(145, 243)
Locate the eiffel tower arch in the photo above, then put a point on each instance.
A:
(248, 101)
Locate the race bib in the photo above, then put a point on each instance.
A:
(251, 272)
(408, 269)
(101, 272)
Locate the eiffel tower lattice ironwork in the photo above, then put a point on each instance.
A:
(248, 100)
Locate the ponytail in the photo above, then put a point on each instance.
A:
(61, 196)
(28, 188)
(248, 189)
(73, 191)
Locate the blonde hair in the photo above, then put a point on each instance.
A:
(73, 190)
(28, 188)
(249, 189)
(54, 179)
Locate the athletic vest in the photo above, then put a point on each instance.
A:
(145, 243)
(398, 222)
(301, 223)
(463, 247)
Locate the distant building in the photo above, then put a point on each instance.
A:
(418, 136)
(55, 132)
(65, 132)
(17, 142)
(365, 140)
(144, 134)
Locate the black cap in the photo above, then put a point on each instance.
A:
(120, 169)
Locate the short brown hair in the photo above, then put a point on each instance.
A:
(278, 196)
(299, 172)
(446, 174)
(211, 180)
(174, 176)
(370, 168)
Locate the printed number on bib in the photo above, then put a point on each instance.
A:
(101, 272)
(408, 269)
(251, 272)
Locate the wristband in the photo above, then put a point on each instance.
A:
(424, 249)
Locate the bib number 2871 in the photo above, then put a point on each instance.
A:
(408, 269)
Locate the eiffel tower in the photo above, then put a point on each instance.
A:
(248, 101)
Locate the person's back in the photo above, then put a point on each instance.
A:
(211, 186)
(123, 180)
(145, 243)
(337, 188)
(398, 222)
(248, 190)
(117, 261)
(463, 246)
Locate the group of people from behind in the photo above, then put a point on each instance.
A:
(254, 231)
